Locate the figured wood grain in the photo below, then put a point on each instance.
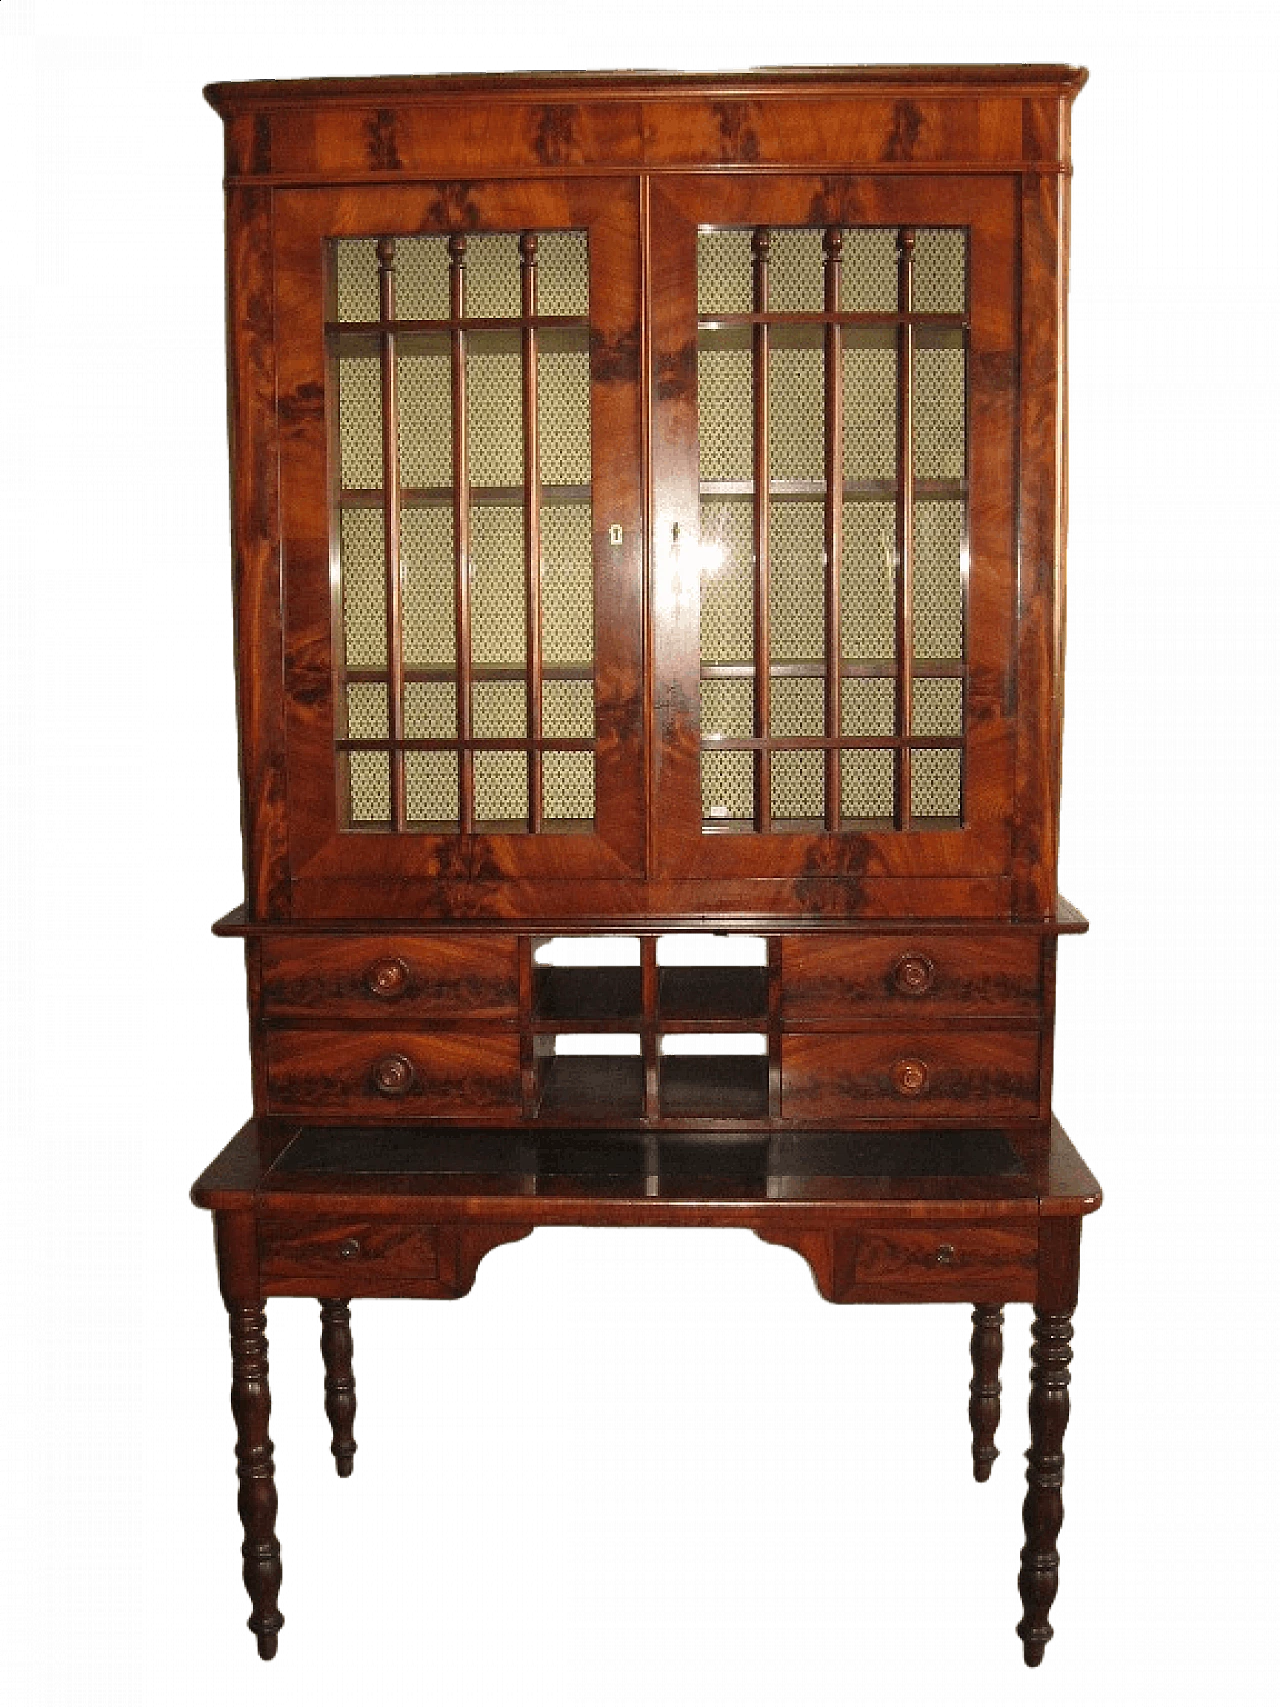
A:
(444, 977)
(828, 1077)
(454, 1074)
(830, 977)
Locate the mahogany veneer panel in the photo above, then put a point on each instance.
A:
(451, 1074)
(834, 1076)
(826, 977)
(364, 977)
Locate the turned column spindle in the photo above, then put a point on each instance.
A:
(251, 1407)
(336, 1348)
(985, 1348)
(1042, 1509)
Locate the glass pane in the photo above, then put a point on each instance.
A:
(431, 788)
(357, 280)
(724, 410)
(867, 581)
(568, 785)
(568, 585)
(360, 421)
(364, 589)
(935, 782)
(724, 272)
(870, 383)
(866, 705)
(938, 613)
(563, 272)
(728, 582)
(797, 705)
(564, 414)
(370, 785)
(422, 278)
(869, 270)
(427, 579)
(939, 283)
(495, 423)
(795, 411)
(367, 711)
(498, 711)
(866, 783)
(430, 711)
(797, 582)
(425, 426)
(726, 785)
(795, 271)
(936, 706)
(727, 708)
(501, 786)
(796, 784)
(493, 275)
(938, 414)
(497, 584)
(568, 709)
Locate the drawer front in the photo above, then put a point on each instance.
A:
(350, 1255)
(845, 976)
(970, 1259)
(411, 977)
(916, 1075)
(394, 1075)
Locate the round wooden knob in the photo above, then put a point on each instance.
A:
(910, 1077)
(349, 1248)
(914, 974)
(946, 1255)
(387, 977)
(393, 1075)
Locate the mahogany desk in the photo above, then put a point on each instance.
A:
(339, 1213)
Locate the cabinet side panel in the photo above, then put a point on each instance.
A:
(255, 548)
(1041, 543)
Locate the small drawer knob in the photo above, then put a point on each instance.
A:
(910, 1077)
(387, 977)
(349, 1249)
(946, 1255)
(393, 1075)
(914, 974)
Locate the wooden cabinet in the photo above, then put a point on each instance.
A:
(625, 541)
(648, 513)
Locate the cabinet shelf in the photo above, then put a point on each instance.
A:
(850, 667)
(591, 1087)
(442, 497)
(855, 491)
(714, 1087)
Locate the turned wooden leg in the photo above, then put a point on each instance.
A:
(251, 1406)
(339, 1378)
(1042, 1510)
(985, 1348)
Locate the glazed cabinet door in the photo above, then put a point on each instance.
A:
(460, 506)
(834, 546)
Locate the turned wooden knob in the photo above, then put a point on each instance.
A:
(914, 974)
(387, 977)
(910, 1077)
(393, 1075)
(946, 1255)
(349, 1248)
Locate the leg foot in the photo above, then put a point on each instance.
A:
(339, 1379)
(985, 1347)
(1042, 1509)
(251, 1406)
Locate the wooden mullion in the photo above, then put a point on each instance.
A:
(532, 521)
(461, 527)
(905, 506)
(649, 1026)
(391, 524)
(833, 504)
(760, 240)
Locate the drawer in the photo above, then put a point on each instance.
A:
(917, 1075)
(394, 1075)
(971, 1259)
(349, 1255)
(829, 977)
(417, 977)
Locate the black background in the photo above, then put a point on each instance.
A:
(748, 1487)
